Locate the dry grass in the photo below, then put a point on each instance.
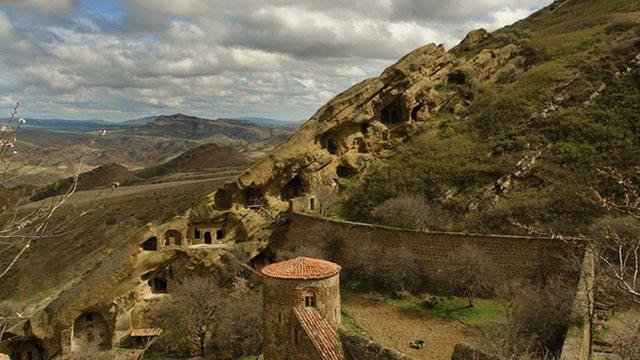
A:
(52, 265)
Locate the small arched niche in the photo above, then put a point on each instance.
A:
(151, 244)
(172, 237)
(90, 333)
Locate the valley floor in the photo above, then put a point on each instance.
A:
(396, 326)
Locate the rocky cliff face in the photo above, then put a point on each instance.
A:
(348, 133)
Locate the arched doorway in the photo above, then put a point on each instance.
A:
(207, 238)
(90, 333)
(172, 237)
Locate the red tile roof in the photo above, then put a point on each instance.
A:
(322, 335)
(302, 268)
(146, 332)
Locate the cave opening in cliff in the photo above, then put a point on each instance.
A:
(254, 197)
(364, 128)
(219, 234)
(329, 143)
(457, 78)
(346, 171)
(294, 188)
(158, 285)
(391, 114)
(150, 244)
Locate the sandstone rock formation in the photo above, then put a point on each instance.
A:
(348, 133)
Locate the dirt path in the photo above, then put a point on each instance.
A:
(396, 328)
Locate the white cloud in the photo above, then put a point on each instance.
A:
(5, 25)
(214, 58)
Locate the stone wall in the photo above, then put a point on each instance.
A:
(365, 246)
(577, 345)
(466, 352)
(357, 348)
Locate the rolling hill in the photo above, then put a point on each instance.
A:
(202, 158)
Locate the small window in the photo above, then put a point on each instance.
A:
(312, 204)
(310, 301)
(88, 317)
(197, 234)
(207, 238)
(279, 317)
(219, 234)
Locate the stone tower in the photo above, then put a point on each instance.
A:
(302, 310)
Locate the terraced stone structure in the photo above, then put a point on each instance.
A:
(302, 310)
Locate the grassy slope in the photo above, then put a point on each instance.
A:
(582, 44)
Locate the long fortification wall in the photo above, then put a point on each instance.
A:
(361, 245)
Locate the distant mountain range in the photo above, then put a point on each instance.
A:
(57, 145)
(90, 125)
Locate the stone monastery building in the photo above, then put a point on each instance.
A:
(302, 310)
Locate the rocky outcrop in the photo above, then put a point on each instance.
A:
(348, 133)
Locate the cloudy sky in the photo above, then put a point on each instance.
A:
(122, 59)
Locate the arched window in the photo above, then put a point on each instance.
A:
(309, 299)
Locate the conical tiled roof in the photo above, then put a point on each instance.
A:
(302, 268)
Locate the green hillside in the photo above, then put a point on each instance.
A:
(574, 109)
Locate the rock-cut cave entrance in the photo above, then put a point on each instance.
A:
(392, 114)
(151, 244)
(294, 188)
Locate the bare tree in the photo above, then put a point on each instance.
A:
(537, 317)
(210, 318)
(620, 251)
(470, 273)
(407, 212)
(192, 313)
(19, 227)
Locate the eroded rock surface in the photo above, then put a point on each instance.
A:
(349, 132)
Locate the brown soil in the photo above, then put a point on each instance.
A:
(395, 328)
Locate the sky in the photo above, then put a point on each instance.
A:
(125, 59)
